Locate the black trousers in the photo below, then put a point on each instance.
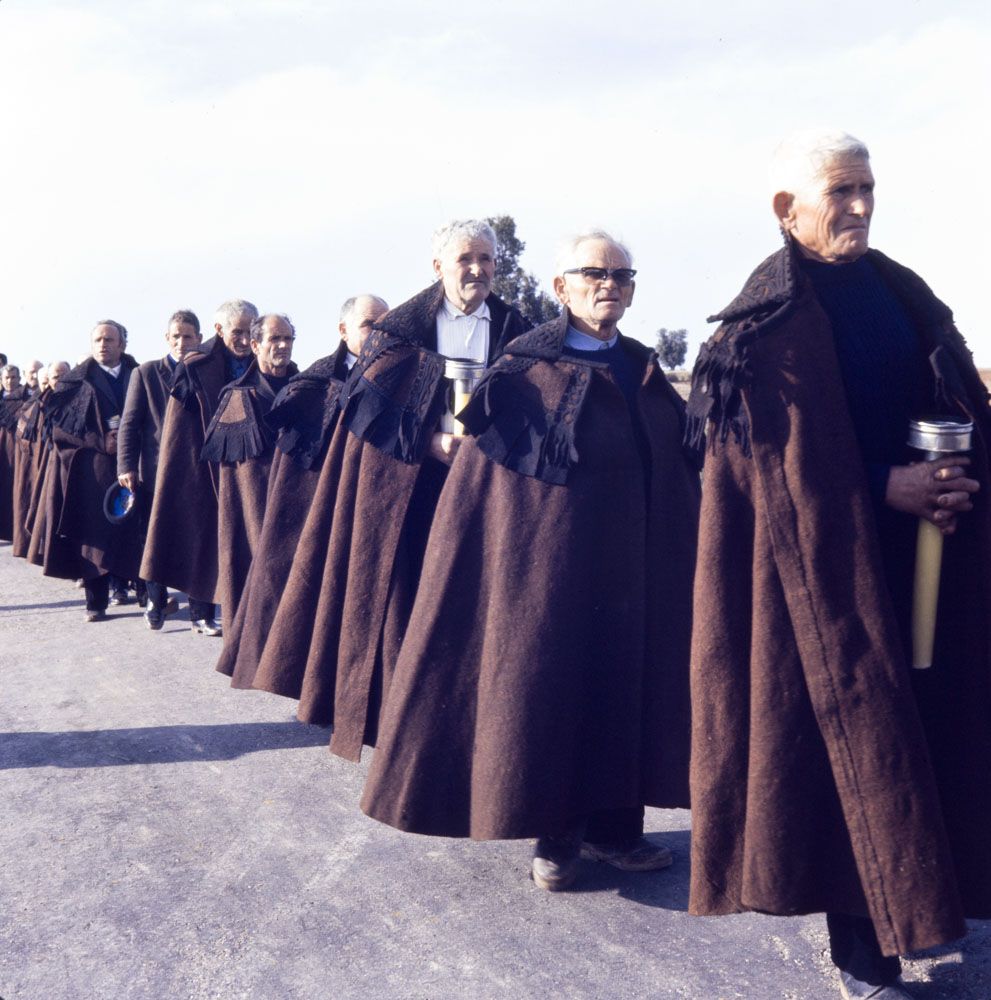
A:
(97, 593)
(606, 827)
(201, 610)
(854, 949)
(158, 594)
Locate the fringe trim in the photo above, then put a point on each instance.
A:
(234, 441)
(514, 430)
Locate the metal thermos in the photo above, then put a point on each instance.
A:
(936, 437)
(462, 375)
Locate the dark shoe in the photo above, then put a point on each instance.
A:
(207, 626)
(640, 856)
(171, 606)
(555, 862)
(155, 619)
(96, 616)
(142, 600)
(119, 597)
(855, 989)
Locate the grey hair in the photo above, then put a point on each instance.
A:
(347, 310)
(800, 159)
(228, 311)
(259, 321)
(566, 252)
(119, 327)
(57, 364)
(462, 229)
(10, 368)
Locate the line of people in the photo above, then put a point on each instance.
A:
(500, 592)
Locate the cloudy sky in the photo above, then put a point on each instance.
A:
(161, 154)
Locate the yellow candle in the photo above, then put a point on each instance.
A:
(928, 559)
(461, 398)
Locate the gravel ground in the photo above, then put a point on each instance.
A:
(164, 836)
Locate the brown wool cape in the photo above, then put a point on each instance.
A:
(239, 443)
(80, 543)
(820, 780)
(333, 640)
(544, 671)
(181, 544)
(304, 415)
(10, 407)
(27, 464)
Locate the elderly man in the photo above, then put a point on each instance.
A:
(542, 685)
(359, 314)
(333, 645)
(305, 418)
(239, 442)
(181, 551)
(140, 435)
(36, 518)
(31, 377)
(12, 397)
(27, 458)
(86, 408)
(827, 775)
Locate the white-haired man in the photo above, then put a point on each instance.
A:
(391, 459)
(241, 446)
(827, 774)
(181, 547)
(305, 418)
(542, 686)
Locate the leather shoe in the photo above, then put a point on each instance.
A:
(555, 862)
(856, 989)
(206, 626)
(119, 597)
(96, 616)
(171, 606)
(154, 618)
(640, 856)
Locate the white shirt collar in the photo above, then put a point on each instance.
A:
(454, 313)
(112, 371)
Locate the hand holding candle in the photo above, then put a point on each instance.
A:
(946, 491)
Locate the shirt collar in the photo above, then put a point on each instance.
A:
(453, 312)
(579, 341)
(112, 371)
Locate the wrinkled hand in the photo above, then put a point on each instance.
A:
(110, 442)
(129, 481)
(444, 447)
(938, 491)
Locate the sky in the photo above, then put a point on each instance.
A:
(161, 154)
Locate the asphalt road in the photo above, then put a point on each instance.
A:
(163, 836)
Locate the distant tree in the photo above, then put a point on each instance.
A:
(512, 284)
(672, 346)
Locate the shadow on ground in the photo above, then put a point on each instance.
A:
(666, 889)
(153, 745)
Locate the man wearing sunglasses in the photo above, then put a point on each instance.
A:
(542, 687)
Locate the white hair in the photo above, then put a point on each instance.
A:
(462, 229)
(347, 310)
(568, 250)
(230, 310)
(799, 160)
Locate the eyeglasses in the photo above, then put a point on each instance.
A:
(623, 276)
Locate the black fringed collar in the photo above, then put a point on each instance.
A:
(415, 319)
(546, 342)
(768, 297)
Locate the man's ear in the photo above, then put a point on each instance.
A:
(784, 208)
(560, 289)
(343, 330)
